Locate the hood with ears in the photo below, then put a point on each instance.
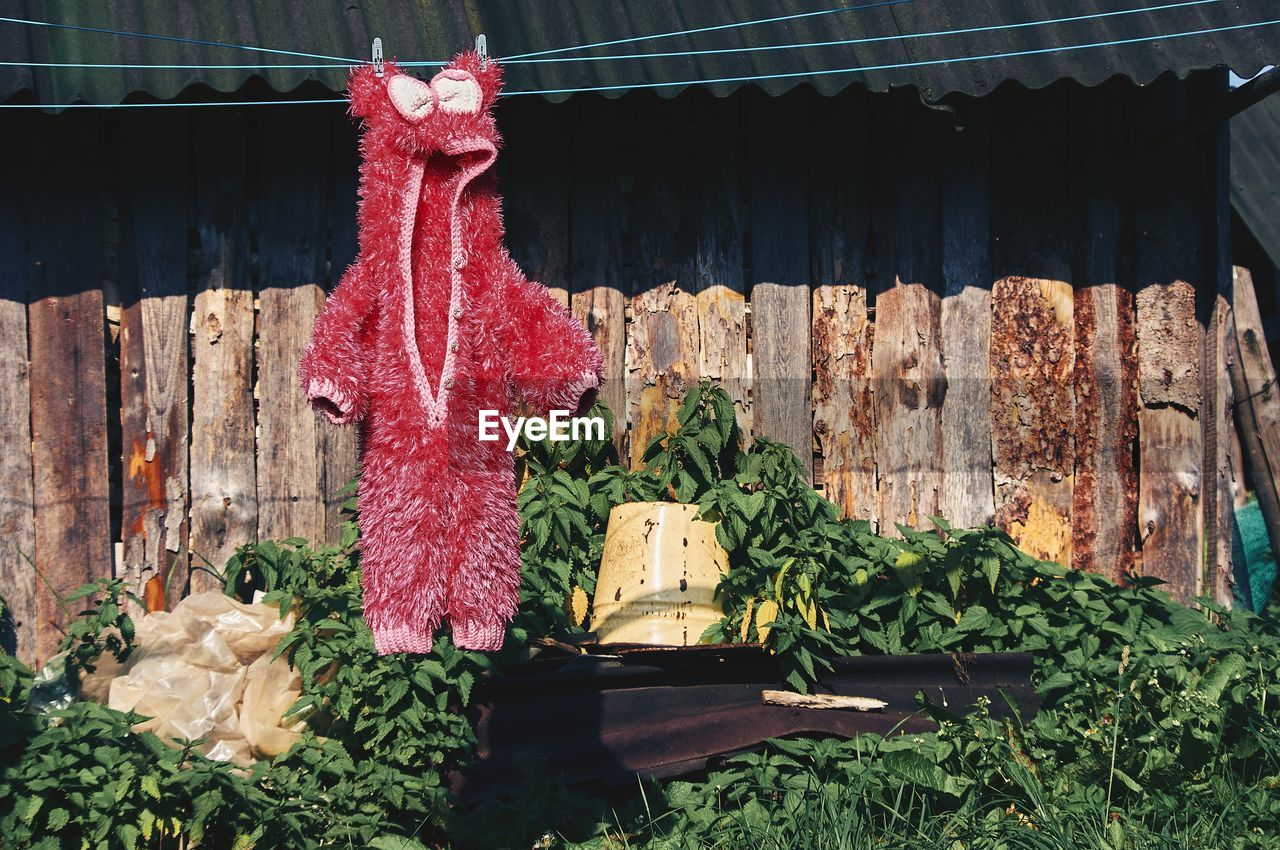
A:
(417, 118)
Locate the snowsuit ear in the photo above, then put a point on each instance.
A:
(367, 92)
(490, 78)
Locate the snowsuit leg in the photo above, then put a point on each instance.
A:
(404, 568)
(484, 548)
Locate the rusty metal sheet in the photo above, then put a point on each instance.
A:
(600, 721)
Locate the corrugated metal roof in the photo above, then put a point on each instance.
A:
(1255, 172)
(432, 29)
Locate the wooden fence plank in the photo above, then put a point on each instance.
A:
(1170, 356)
(68, 370)
(1258, 369)
(721, 289)
(662, 361)
(17, 510)
(967, 497)
(596, 239)
(1170, 447)
(843, 415)
(906, 364)
(1219, 445)
(224, 497)
(1256, 411)
(1105, 495)
(843, 412)
(1257, 404)
(1104, 512)
(291, 219)
(662, 333)
(153, 352)
(1219, 420)
(781, 363)
(339, 444)
(532, 171)
(1032, 330)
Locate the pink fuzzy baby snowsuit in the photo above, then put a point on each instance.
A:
(431, 325)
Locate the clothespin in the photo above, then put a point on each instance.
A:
(377, 56)
(482, 50)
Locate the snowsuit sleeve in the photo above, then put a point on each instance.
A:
(552, 360)
(332, 366)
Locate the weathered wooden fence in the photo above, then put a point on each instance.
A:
(1018, 321)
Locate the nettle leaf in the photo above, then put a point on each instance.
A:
(920, 770)
(907, 568)
(57, 819)
(975, 618)
(1215, 681)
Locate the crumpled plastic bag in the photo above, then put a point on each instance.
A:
(204, 671)
(52, 689)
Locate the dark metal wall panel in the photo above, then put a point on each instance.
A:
(432, 29)
(1255, 172)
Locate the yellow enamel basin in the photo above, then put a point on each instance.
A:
(658, 576)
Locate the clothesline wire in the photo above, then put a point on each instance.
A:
(713, 28)
(341, 61)
(658, 55)
(875, 39)
(916, 64)
(741, 79)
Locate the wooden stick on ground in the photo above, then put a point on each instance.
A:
(791, 700)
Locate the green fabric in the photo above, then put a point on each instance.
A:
(1255, 563)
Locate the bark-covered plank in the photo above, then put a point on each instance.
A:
(1105, 493)
(968, 494)
(662, 331)
(154, 371)
(17, 511)
(1032, 329)
(224, 497)
(597, 298)
(534, 180)
(662, 361)
(68, 369)
(291, 231)
(781, 363)
(839, 205)
(909, 383)
(843, 411)
(721, 289)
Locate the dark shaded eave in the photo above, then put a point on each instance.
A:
(1255, 172)
(435, 30)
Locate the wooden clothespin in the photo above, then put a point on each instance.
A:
(482, 50)
(377, 57)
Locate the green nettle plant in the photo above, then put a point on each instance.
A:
(1158, 728)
